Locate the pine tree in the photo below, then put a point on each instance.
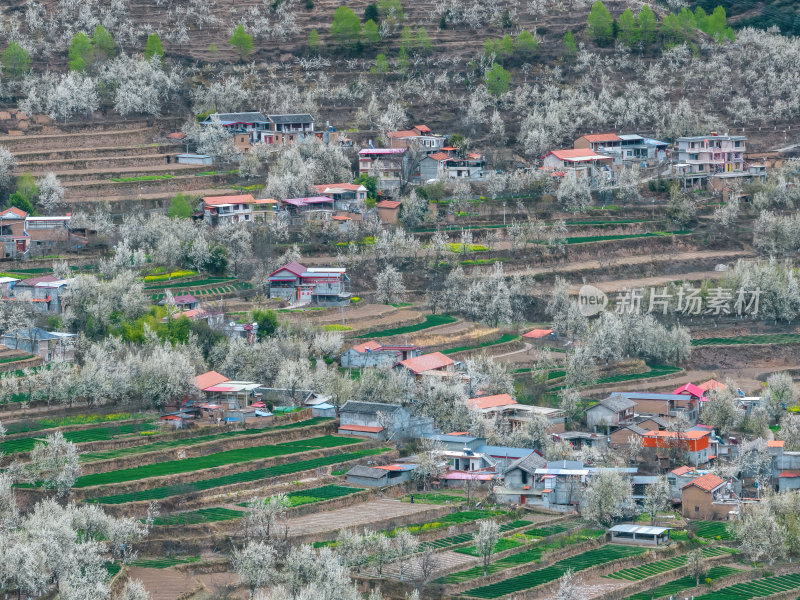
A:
(153, 47)
(646, 20)
(600, 24)
(570, 47)
(313, 42)
(628, 29)
(526, 45)
(241, 41)
(103, 42)
(371, 32)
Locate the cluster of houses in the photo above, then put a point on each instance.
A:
(23, 235)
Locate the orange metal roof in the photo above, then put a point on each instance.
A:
(209, 379)
(403, 133)
(537, 333)
(427, 362)
(14, 211)
(708, 482)
(370, 345)
(602, 137)
(363, 428)
(681, 471)
(775, 444)
(423, 128)
(491, 401)
(353, 187)
(340, 218)
(240, 199)
(458, 433)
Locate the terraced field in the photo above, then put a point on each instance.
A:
(430, 321)
(219, 459)
(165, 445)
(673, 587)
(590, 558)
(159, 493)
(529, 555)
(661, 566)
(42, 424)
(203, 515)
(758, 588)
(769, 338)
(712, 530)
(95, 434)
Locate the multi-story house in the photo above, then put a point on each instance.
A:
(442, 165)
(345, 196)
(624, 148)
(300, 285)
(266, 129)
(392, 163)
(419, 135)
(712, 154)
(237, 209)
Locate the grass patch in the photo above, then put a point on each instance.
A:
(160, 493)
(318, 494)
(434, 498)
(219, 459)
(142, 178)
(164, 563)
(166, 444)
(337, 327)
(430, 321)
(622, 236)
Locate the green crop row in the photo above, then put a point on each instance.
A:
(160, 493)
(120, 452)
(590, 558)
(769, 338)
(203, 515)
(673, 587)
(462, 538)
(164, 563)
(528, 555)
(430, 321)
(660, 566)
(40, 424)
(624, 236)
(757, 588)
(712, 529)
(218, 459)
(142, 178)
(501, 545)
(506, 337)
(194, 283)
(325, 492)
(95, 434)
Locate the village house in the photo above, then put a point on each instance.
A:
(540, 336)
(312, 207)
(7, 285)
(346, 196)
(579, 163)
(419, 135)
(374, 354)
(640, 535)
(50, 345)
(665, 406)
(582, 439)
(703, 498)
(389, 211)
(12, 233)
(319, 285)
(445, 166)
(715, 160)
(392, 162)
(380, 476)
(624, 148)
(609, 412)
(518, 478)
(696, 444)
(242, 208)
(455, 442)
(255, 127)
(48, 234)
(428, 364)
(382, 421)
(44, 293)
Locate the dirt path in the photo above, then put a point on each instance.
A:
(355, 516)
(520, 351)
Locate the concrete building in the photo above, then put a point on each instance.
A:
(374, 354)
(50, 345)
(640, 535)
(609, 413)
(380, 476)
(382, 421)
(419, 135)
(696, 444)
(704, 498)
(419, 366)
(319, 285)
(392, 162)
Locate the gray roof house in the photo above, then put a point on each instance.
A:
(610, 412)
(382, 421)
(50, 345)
(380, 476)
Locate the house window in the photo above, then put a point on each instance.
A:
(737, 144)
(696, 509)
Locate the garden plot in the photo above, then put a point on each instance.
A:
(219, 459)
(661, 566)
(254, 475)
(766, 586)
(81, 436)
(712, 529)
(590, 558)
(684, 583)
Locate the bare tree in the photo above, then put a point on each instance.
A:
(485, 540)
(657, 498)
(567, 587)
(695, 564)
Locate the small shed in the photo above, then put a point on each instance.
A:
(367, 476)
(195, 159)
(639, 534)
(323, 410)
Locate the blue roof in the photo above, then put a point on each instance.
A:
(324, 406)
(502, 451)
(654, 142)
(464, 439)
(646, 396)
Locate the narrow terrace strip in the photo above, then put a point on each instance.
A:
(160, 493)
(684, 583)
(82, 436)
(590, 558)
(120, 452)
(661, 566)
(757, 588)
(229, 457)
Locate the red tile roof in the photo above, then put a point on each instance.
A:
(403, 133)
(15, 212)
(711, 384)
(491, 401)
(239, 199)
(340, 218)
(576, 154)
(422, 128)
(427, 362)
(537, 333)
(388, 204)
(440, 156)
(602, 137)
(362, 428)
(708, 482)
(32, 281)
(353, 187)
(293, 267)
(775, 444)
(209, 379)
(370, 345)
(789, 474)
(681, 471)
(185, 299)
